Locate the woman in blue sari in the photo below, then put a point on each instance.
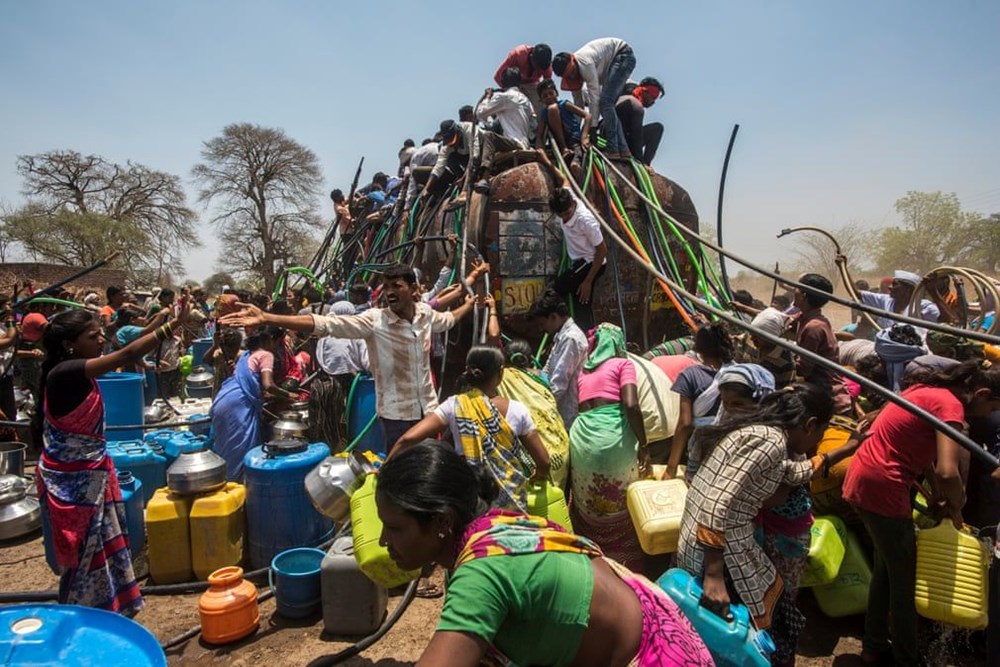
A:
(238, 407)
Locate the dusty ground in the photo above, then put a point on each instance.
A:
(283, 642)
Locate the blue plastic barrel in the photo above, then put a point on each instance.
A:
(198, 350)
(132, 495)
(145, 461)
(50, 635)
(123, 403)
(295, 579)
(280, 515)
(361, 411)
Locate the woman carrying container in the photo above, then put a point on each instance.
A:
(747, 460)
(521, 383)
(607, 445)
(519, 588)
(237, 410)
(494, 433)
(76, 479)
(902, 448)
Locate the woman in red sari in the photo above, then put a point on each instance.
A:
(77, 484)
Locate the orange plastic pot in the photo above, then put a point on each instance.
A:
(228, 609)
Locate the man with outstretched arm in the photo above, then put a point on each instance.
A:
(398, 338)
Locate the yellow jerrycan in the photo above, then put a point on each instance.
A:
(373, 558)
(656, 507)
(826, 551)
(169, 537)
(847, 594)
(218, 528)
(546, 500)
(952, 576)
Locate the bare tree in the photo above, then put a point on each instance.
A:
(82, 207)
(265, 186)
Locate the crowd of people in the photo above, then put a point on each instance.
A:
(763, 438)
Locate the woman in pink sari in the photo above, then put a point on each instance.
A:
(77, 484)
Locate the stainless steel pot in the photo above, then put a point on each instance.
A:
(12, 458)
(156, 412)
(290, 426)
(196, 472)
(19, 513)
(331, 484)
(200, 378)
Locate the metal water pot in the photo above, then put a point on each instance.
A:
(200, 378)
(290, 426)
(331, 484)
(20, 514)
(196, 472)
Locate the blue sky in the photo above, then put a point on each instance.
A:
(843, 106)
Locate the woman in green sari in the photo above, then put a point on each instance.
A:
(607, 447)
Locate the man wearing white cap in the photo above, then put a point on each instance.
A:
(904, 283)
(778, 360)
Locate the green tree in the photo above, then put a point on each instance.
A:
(934, 231)
(214, 283)
(266, 186)
(985, 254)
(79, 205)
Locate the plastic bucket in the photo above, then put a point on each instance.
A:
(123, 403)
(12, 458)
(295, 579)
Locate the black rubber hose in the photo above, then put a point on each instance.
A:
(128, 427)
(718, 223)
(351, 651)
(163, 589)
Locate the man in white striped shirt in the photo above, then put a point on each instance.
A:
(399, 344)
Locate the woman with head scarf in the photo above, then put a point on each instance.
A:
(607, 445)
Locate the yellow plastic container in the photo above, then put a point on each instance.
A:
(952, 577)
(656, 507)
(826, 551)
(169, 537)
(218, 526)
(847, 595)
(373, 559)
(547, 500)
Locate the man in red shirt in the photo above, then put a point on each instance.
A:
(534, 63)
(815, 334)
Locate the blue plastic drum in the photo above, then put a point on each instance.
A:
(59, 635)
(361, 416)
(124, 404)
